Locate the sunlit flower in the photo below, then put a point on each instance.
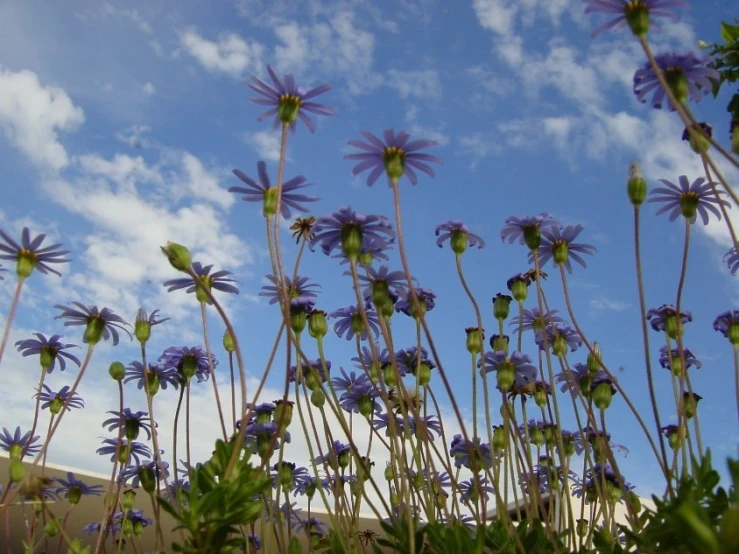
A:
(98, 323)
(396, 156)
(689, 200)
(264, 192)
(458, 235)
(29, 256)
(349, 231)
(49, 350)
(687, 75)
(299, 288)
(287, 101)
(557, 243)
(218, 280)
(55, 400)
(637, 14)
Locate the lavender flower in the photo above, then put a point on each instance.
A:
(576, 380)
(218, 281)
(189, 361)
(665, 318)
(411, 425)
(287, 101)
(637, 14)
(28, 256)
(426, 298)
(349, 231)
(132, 449)
(350, 321)
(557, 244)
(607, 482)
(143, 324)
(408, 361)
(17, 443)
(458, 235)
(49, 350)
(361, 399)
(731, 259)
(135, 473)
(727, 323)
(73, 488)
(134, 516)
(674, 355)
(396, 156)
(469, 491)
(371, 251)
(99, 324)
(690, 200)
(527, 230)
(558, 337)
(686, 73)
(337, 455)
(299, 290)
(381, 282)
(514, 371)
(312, 526)
(161, 375)
(534, 320)
(55, 400)
(265, 193)
(132, 422)
(598, 440)
(314, 369)
(460, 450)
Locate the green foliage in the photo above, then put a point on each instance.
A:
(218, 506)
(726, 56)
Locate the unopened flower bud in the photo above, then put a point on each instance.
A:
(178, 256)
(351, 241)
(500, 439)
(519, 287)
(228, 342)
(602, 394)
(16, 470)
(475, 339)
(389, 472)
(317, 325)
(142, 327)
(594, 358)
(505, 376)
(636, 185)
(388, 375)
(583, 526)
(540, 396)
(698, 135)
(127, 499)
(690, 404)
(343, 459)
(499, 342)
(283, 414)
(317, 398)
(501, 306)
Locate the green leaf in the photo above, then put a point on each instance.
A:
(729, 33)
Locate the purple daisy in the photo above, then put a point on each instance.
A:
(690, 200)
(686, 73)
(218, 280)
(637, 14)
(189, 361)
(49, 350)
(73, 488)
(264, 192)
(731, 259)
(135, 449)
(396, 156)
(349, 231)
(56, 400)
(19, 442)
(526, 229)
(382, 280)
(162, 376)
(674, 355)
(361, 399)
(665, 319)
(408, 360)
(727, 323)
(534, 320)
(460, 450)
(365, 360)
(133, 473)
(557, 244)
(350, 321)
(287, 101)
(315, 367)
(299, 288)
(575, 380)
(458, 235)
(426, 297)
(132, 422)
(558, 337)
(523, 371)
(469, 491)
(99, 323)
(28, 254)
(373, 249)
(410, 424)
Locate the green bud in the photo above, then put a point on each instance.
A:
(637, 17)
(676, 436)
(594, 358)
(74, 495)
(365, 258)
(148, 479)
(317, 325)
(732, 332)
(560, 252)
(312, 379)
(505, 376)
(131, 429)
(138, 527)
(366, 405)
(389, 472)
(673, 326)
(501, 306)
(394, 159)
(540, 397)
(351, 240)
(678, 83)
(380, 293)
(343, 459)
(317, 398)
(394, 499)
(127, 527)
(500, 439)
(697, 135)
(263, 446)
(286, 474)
(583, 526)
(178, 256)
(117, 371)
(56, 405)
(75, 547)
(363, 468)
(153, 381)
(388, 375)
(47, 356)
(228, 342)
(423, 374)
(499, 342)
(532, 236)
(51, 529)
(128, 499)
(283, 413)
(26, 263)
(16, 470)
(536, 435)
(458, 241)
(142, 327)
(690, 404)
(298, 319)
(602, 395)
(636, 185)
(519, 289)
(559, 346)
(475, 338)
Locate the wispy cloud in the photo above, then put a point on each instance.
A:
(230, 54)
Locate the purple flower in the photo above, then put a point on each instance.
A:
(349, 382)
(365, 360)
(396, 156)
(218, 280)
(349, 231)
(299, 290)
(518, 228)
(73, 487)
(665, 318)
(335, 453)
(135, 449)
(382, 280)
(426, 298)
(316, 367)
(134, 516)
(592, 437)
(558, 337)
(132, 422)
(520, 363)
(29, 256)
(674, 354)
(164, 375)
(458, 235)
(409, 425)
(731, 259)
(18, 442)
(255, 543)
(308, 486)
(688, 200)
(350, 321)
(727, 323)
(373, 249)
(189, 361)
(99, 323)
(361, 398)
(312, 526)
(264, 192)
(534, 320)
(49, 397)
(557, 244)
(133, 472)
(287, 101)
(607, 483)
(686, 73)
(460, 450)
(50, 350)
(633, 12)
(576, 379)
(261, 434)
(408, 360)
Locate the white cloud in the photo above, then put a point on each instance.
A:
(266, 144)
(604, 303)
(417, 129)
(31, 115)
(148, 89)
(422, 83)
(121, 169)
(231, 54)
(202, 183)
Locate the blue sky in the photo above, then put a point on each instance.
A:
(120, 125)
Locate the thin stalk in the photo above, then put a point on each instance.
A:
(211, 366)
(11, 314)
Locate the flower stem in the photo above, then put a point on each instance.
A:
(11, 314)
(212, 368)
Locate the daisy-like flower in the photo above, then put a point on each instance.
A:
(136, 517)
(575, 380)
(143, 324)
(409, 425)
(469, 491)
(49, 351)
(731, 259)
(534, 320)
(189, 361)
(350, 321)
(311, 372)
(458, 235)
(148, 469)
(607, 481)
(132, 423)
(426, 298)
(515, 370)
(18, 442)
(600, 441)
(99, 324)
(287, 101)
(637, 14)
(350, 231)
(395, 157)
(558, 338)
(527, 230)
(688, 200)
(337, 454)
(361, 399)
(264, 192)
(127, 448)
(460, 450)
(302, 228)
(219, 280)
(73, 489)
(371, 251)
(674, 355)
(158, 374)
(727, 323)
(558, 244)
(687, 75)
(29, 256)
(408, 360)
(54, 401)
(665, 318)
(379, 282)
(298, 289)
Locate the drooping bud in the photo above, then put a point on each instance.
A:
(602, 394)
(690, 404)
(501, 306)
(317, 398)
(475, 339)
(317, 325)
(636, 186)
(178, 256)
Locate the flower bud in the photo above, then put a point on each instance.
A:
(458, 241)
(540, 396)
(138, 528)
(636, 185)
(499, 342)
(285, 474)
(388, 375)
(283, 414)
(366, 405)
(317, 398)
(16, 469)
(389, 472)
(94, 329)
(505, 376)
(178, 256)
(312, 379)
(47, 356)
(343, 459)
(583, 526)
(559, 345)
(500, 439)
(594, 358)
(228, 342)
(74, 495)
(423, 374)
(536, 435)
(364, 466)
(519, 287)
(560, 252)
(698, 135)
(501, 306)
(317, 325)
(264, 446)
(532, 236)
(351, 240)
(637, 17)
(127, 499)
(131, 429)
(602, 394)
(690, 404)
(676, 436)
(123, 453)
(142, 327)
(51, 529)
(394, 159)
(127, 527)
(475, 338)
(148, 480)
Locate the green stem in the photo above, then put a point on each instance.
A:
(11, 315)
